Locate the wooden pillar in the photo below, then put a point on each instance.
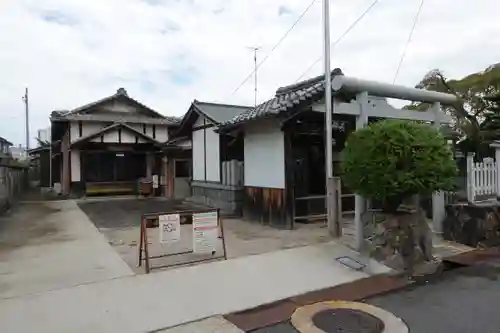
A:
(65, 156)
(438, 211)
(164, 175)
(359, 201)
(496, 145)
(470, 178)
(289, 179)
(149, 165)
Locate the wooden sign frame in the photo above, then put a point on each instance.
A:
(146, 224)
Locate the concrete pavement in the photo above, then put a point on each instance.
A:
(53, 245)
(165, 299)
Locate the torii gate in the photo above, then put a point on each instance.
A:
(363, 108)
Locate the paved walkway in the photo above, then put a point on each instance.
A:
(53, 245)
(144, 303)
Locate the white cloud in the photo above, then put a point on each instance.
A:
(168, 52)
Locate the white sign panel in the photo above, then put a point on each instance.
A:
(170, 228)
(155, 181)
(205, 232)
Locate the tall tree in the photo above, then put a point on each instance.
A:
(472, 107)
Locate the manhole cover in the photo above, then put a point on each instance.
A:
(347, 321)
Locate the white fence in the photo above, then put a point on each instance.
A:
(481, 179)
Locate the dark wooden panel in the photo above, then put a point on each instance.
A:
(267, 205)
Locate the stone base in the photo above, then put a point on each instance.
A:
(229, 199)
(475, 225)
(401, 241)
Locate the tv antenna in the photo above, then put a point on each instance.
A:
(255, 49)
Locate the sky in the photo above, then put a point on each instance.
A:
(166, 53)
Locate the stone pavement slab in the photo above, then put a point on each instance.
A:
(52, 245)
(165, 299)
(215, 324)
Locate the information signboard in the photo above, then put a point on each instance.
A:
(170, 228)
(205, 232)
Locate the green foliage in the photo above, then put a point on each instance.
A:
(393, 159)
(473, 107)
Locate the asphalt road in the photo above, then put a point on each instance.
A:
(463, 300)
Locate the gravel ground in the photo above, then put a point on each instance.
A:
(122, 214)
(119, 219)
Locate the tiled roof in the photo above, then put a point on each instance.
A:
(220, 113)
(79, 112)
(124, 118)
(5, 141)
(285, 99)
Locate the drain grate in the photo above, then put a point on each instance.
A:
(347, 321)
(351, 263)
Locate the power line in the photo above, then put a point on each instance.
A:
(340, 38)
(409, 40)
(274, 47)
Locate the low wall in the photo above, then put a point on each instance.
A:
(13, 181)
(476, 225)
(229, 199)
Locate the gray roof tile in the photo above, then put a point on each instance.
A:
(220, 113)
(285, 99)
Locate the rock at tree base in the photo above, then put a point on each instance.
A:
(402, 240)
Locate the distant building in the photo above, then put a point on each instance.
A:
(108, 145)
(4, 147)
(43, 135)
(18, 153)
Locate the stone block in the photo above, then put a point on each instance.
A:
(475, 225)
(228, 199)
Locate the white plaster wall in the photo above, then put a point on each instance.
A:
(198, 143)
(75, 166)
(213, 155)
(118, 107)
(161, 131)
(88, 128)
(264, 155)
(110, 137)
(128, 137)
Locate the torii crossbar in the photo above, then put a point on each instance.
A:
(365, 107)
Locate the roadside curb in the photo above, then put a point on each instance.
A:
(359, 290)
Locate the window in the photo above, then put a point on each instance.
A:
(144, 128)
(154, 131)
(80, 129)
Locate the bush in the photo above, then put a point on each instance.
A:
(393, 159)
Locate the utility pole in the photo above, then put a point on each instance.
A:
(255, 49)
(26, 105)
(330, 186)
